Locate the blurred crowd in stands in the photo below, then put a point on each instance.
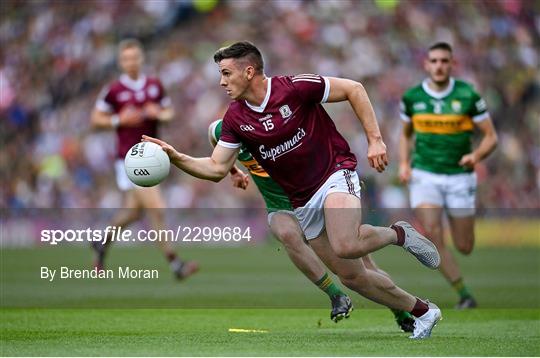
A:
(57, 55)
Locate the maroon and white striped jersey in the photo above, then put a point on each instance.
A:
(290, 134)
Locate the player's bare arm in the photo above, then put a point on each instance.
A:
(102, 120)
(212, 168)
(238, 178)
(405, 145)
(486, 146)
(342, 89)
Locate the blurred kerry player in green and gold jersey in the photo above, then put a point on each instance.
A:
(441, 114)
(286, 229)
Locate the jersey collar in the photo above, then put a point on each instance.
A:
(261, 108)
(134, 85)
(435, 94)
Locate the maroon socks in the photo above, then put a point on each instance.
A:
(420, 308)
(400, 234)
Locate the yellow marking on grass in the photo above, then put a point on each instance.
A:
(242, 330)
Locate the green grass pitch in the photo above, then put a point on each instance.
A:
(256, 288)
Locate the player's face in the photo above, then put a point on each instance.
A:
(233, 78)
(439, 65)
(131, 60)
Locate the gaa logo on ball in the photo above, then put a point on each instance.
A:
(146, 164)
(141, 172)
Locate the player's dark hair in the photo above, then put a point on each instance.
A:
(242, 50)
(130, 43)
(441, 46)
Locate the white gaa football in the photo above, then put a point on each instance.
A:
(147, 164)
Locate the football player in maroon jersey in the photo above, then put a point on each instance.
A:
(283, 124)
(134, 105)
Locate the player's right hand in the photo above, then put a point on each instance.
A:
(130, 116)
(404, 172)
(377, 156)
(167, 148)
(240, 180)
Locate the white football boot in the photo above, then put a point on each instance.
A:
(424, 324)
(419, 246)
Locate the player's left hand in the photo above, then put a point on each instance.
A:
(468, 160)
(240, 180)
(377, 155)
(152, 110)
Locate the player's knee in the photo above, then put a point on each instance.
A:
(157, 214)
(354, 280)
(289, 238)
(465, 247)
(346, 246)
(130, 216)
(347, 250)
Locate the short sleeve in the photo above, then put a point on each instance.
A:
(228, 138)
(215, 130)
(478, 110)
(105, 101)
(404, 111)
(311, 87)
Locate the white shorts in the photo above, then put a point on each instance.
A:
(271, 215)
(122, 179)
(455, 192)
(311, 216)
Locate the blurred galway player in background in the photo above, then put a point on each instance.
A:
(442, 113)
(135, 105)
(286, 229)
